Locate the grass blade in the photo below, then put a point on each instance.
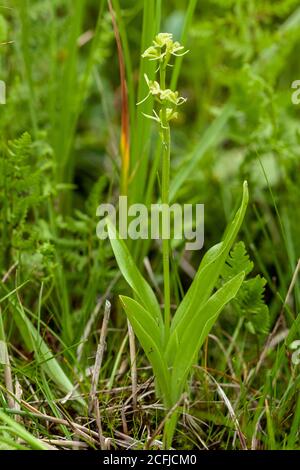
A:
(187, 24)
(142, 130)
(210, 138)
(35, 342)
(21, 432)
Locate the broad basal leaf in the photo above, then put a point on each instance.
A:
(207, 275)
(190, 342)
(133, 276)
(149, 336)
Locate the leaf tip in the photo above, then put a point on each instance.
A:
(246, 191)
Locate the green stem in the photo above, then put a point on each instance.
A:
(166, 140)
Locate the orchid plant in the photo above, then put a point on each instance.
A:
(172, 344)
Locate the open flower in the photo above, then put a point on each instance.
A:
(171, 97)
(154, 87)
(163, 47)
(166, 98)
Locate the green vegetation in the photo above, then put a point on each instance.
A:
(139, 343)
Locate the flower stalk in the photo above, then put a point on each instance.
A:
(166, 151)
(162, 50)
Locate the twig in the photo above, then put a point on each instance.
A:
(89, 325)
(77, 428)
(8, 273)
(4, 359)
(99, 357)
(229, 406)
(92, 437)
(99, 424)
(64, 443)
(254, 439)
(132, 350)
(18, 396)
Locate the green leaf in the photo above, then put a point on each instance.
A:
(237, 261)
(149, 335)
(251, 305)
(19, 430)
(196, 330)
(249, 302)
(206, 278)
(133, 276)
(44, 356)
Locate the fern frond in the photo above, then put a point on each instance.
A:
(249, 301)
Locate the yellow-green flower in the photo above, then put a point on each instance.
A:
(163, 48)
(167, 98)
